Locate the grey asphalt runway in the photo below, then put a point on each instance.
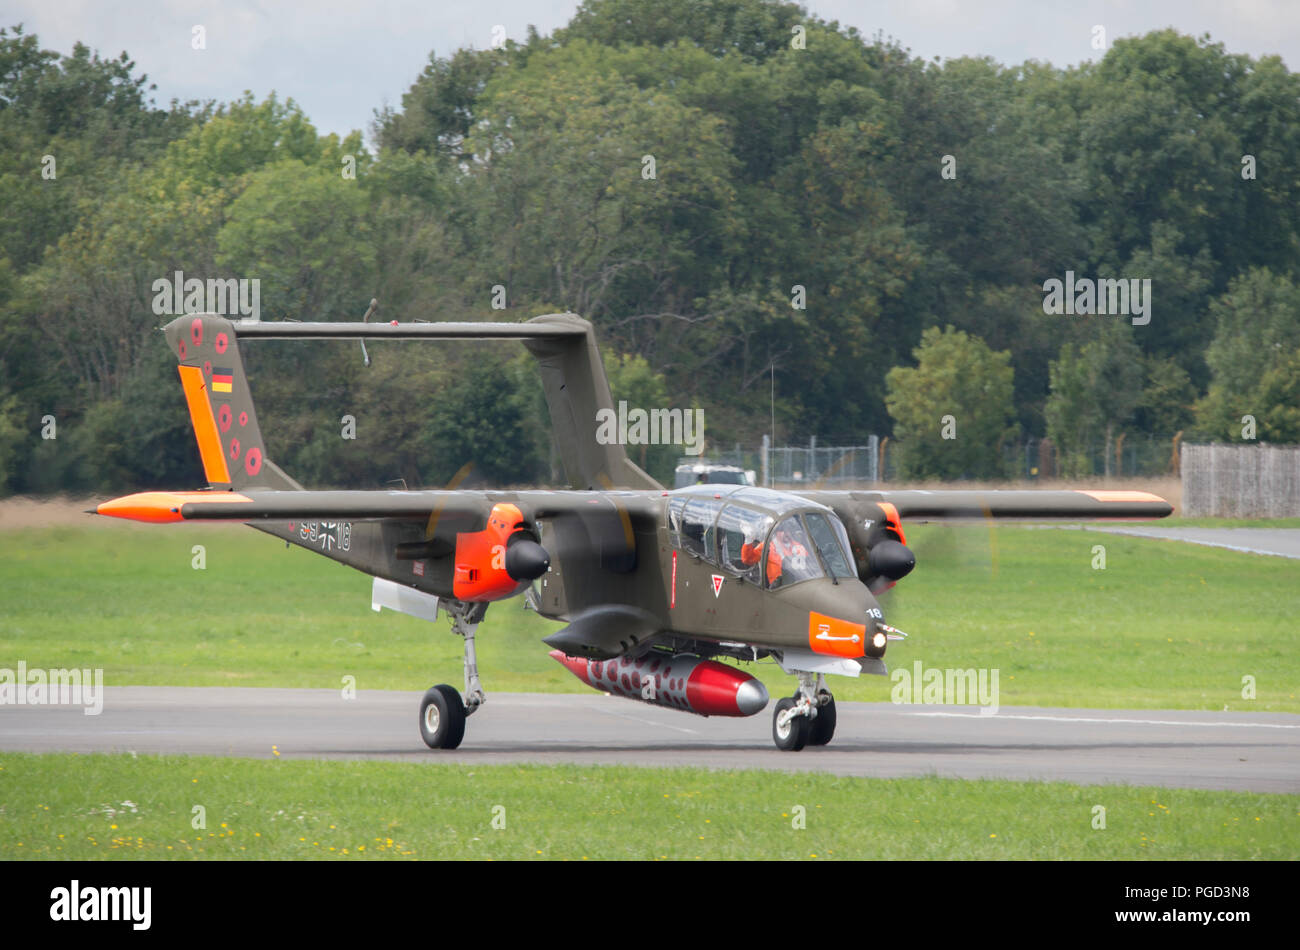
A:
(1244, 751)
(1281, 542)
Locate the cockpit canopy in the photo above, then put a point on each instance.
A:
(768, 538)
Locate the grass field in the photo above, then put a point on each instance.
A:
(1164, 625)
(120, 807)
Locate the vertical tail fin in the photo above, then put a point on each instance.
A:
(220, 404)
(577, 389)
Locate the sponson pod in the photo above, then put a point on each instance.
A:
(704, 687)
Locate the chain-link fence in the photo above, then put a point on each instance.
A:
(1126, 455)
(800, 466)
(826, 464)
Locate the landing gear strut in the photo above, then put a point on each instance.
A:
(807, 717)
(442, 712)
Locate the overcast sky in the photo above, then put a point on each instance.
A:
(341, 59)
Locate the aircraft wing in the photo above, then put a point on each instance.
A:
(418, 506)
(1027, 505)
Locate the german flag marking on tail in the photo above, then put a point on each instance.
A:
(223, 379)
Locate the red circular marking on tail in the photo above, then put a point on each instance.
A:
(253, 461)
(234, 448)
(223, 416)
(243, 418)
(222, 342)
(207, 367)
(180, 348)
(196, 331)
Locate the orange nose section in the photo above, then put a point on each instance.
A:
(836, 637)
(162, 507)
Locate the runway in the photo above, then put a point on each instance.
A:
(1279, 542)
(1240, 751)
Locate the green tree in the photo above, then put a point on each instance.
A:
(484, 419)
(1096, 387)
(11, 439)
(632, 380)
(304, 232)
(1251, 359)
(754, 29)
(1168, 398)
(952, 411)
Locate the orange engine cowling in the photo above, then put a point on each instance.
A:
(481, 557)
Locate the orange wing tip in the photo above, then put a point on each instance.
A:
(162, 507)
(1103, 495)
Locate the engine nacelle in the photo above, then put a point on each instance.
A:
(879, 546)
(499, 561)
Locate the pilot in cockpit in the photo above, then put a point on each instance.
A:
(787, 558)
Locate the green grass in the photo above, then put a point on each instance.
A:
(100, 806)
(1165, 625)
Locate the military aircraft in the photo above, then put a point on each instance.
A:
(653, 586)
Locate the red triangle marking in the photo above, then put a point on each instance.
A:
(717, 584)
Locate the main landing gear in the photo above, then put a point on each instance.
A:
(442, 711)
(807, 717)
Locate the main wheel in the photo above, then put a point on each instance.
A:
(794, 735)
(442, 718)
(823, 727)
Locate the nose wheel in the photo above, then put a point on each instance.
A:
(790, 725)
(823, 727)
(807, 717)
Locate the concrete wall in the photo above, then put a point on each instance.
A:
(1241, 481)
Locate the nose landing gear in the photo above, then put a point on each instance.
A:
(807, 717)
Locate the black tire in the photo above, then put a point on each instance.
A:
(796, 731)
(442, 718)
(823, 727)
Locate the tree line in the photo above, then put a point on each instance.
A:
(760, 211)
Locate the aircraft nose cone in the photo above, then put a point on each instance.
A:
(526, 560)
(751, 697)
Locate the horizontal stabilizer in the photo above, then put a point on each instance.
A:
(283, 330)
